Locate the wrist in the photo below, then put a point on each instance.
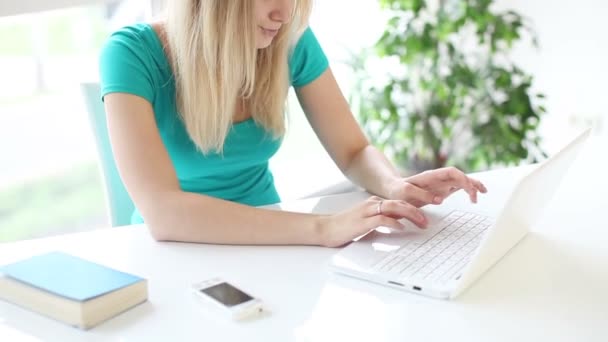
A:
(390, 185)
(321, 230)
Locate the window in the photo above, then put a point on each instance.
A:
(49, 178)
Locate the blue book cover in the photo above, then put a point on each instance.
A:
(68, 276)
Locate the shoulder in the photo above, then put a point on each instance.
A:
(135, 32)
(307, 60)
(132, 61)
(131, 41)
(304, 40)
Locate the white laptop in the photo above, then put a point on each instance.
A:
(458, 247)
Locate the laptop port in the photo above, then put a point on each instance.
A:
(395, 283)
(417, 288)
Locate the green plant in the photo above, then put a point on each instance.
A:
(453, 96)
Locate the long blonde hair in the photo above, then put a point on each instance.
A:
(215, 61)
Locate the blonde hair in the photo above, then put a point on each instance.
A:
(215, 61)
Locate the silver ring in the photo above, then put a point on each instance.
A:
(379, 208)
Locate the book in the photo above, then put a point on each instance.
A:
(70, 289)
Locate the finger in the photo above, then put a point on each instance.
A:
(401, 209)
(373, 206)
(373, 199)
(473, 195)
(413, 193)
(384, 221)
(419, 204)
(472, 191)
(461, 180)
(479, 185)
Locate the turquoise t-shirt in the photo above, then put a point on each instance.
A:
(133, 61)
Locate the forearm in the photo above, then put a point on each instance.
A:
(371, 170)
(189, 217)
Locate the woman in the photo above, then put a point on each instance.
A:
(195, 109)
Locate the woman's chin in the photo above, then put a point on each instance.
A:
(263, 43)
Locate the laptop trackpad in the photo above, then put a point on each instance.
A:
(374, 246)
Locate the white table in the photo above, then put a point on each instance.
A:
(551, 287)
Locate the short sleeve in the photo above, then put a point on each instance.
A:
(307, 61)
(124, 65)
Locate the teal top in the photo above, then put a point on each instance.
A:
(133, 61)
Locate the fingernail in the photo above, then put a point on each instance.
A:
(437, 200)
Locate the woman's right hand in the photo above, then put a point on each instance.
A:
(341, 228)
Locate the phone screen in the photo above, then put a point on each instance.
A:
(227, 294)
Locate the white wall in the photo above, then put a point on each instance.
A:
(571, 65)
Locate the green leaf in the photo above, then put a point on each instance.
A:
(443, 89)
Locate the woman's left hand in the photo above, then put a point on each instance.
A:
(433, 186)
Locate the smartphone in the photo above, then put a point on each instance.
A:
(221, 297)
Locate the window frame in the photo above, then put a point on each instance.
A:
(12, 8)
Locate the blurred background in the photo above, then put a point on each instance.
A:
(50, 181)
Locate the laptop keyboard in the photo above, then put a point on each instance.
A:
(442, 256)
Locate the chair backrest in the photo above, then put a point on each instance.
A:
(119, 202)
